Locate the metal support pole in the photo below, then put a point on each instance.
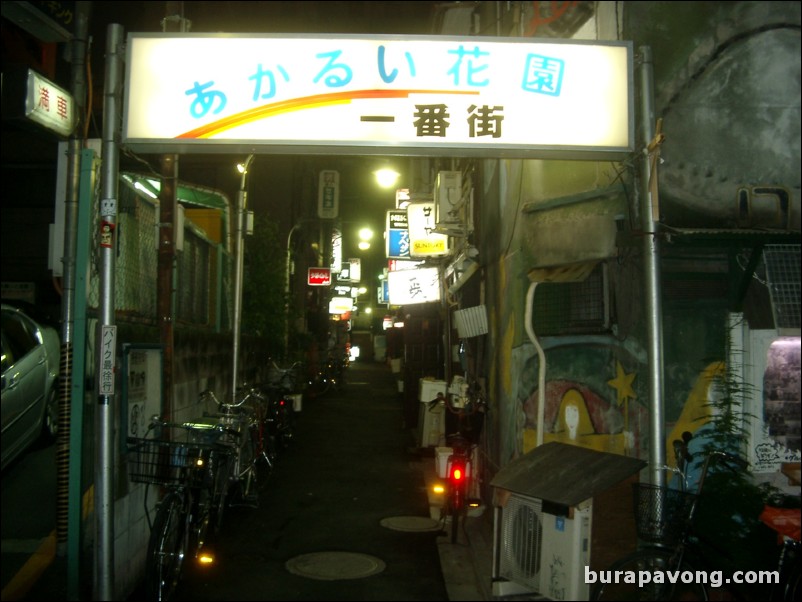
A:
(651, 271)
(107, 331)
(242, 204)
(67, 502)
(287, 275)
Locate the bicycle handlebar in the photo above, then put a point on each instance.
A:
(294, 365)
(228, 407)
(684, 457)
(157, 422)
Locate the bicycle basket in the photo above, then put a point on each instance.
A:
(662, 515)
(164, 462)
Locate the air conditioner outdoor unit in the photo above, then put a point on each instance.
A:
(542, 553)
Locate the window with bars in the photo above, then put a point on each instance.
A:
(561, 308)
(782, 274)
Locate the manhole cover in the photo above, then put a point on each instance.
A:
(410, 523)
(335, 566)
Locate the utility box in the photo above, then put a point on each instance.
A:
(431, 424)
(429, 388)
(543, 525)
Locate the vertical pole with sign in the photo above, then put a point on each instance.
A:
(328, 208)
(328, 194)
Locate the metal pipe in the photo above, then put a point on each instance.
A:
(69, 452)
(107, 335)
(651, 272)
(242, 203)
(287, 275)
(541, 363)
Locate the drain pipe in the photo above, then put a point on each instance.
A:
(650, 216)
(541, 364)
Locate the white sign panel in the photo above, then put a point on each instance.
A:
(49, 105)
(108, 359)
(340, 305)
(555, 99)
(355, 269)
(409, 287)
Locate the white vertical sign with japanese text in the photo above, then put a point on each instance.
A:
(108, 356)
(49, 105)
(328, 194)
(423, 240)
(349, 93)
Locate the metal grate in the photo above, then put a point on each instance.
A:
(561, 308)
(522, 541)
(471, 322)
(782, 273)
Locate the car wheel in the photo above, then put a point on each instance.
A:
(50, 419)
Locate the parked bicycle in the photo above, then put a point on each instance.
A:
(665, 524)
(458, 476)
(459, 464)
(279, 392)
(192, 461)
(324, 378)
(247, 417)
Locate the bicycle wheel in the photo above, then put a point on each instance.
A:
(249, 465)
(318, 385)
(627, 579)
(457, 510)
(284, 427)
(166, 548)
(788, 589)
(222, 475)
(454, 524)
(200, 519)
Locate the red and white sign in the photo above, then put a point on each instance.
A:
(319, 277)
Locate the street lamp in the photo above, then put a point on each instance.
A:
(386, 177)
(242, 203)
(365, 234)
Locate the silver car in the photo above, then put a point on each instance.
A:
(30, 364)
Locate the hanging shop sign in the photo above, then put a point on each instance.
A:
(340, 305)
(423, 240)
(319, 277)
(328, 194)
(49, 105)
(409, 287)
(397, 239)
(359, 94)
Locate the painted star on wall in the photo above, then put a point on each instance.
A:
(622, 383)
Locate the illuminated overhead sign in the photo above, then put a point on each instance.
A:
(383, 293)
(319, 277)
(409, 287)
(397, 239)
(49, 105)
(355, 269)
(423, 240)
(340, 305)
(357, 94)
